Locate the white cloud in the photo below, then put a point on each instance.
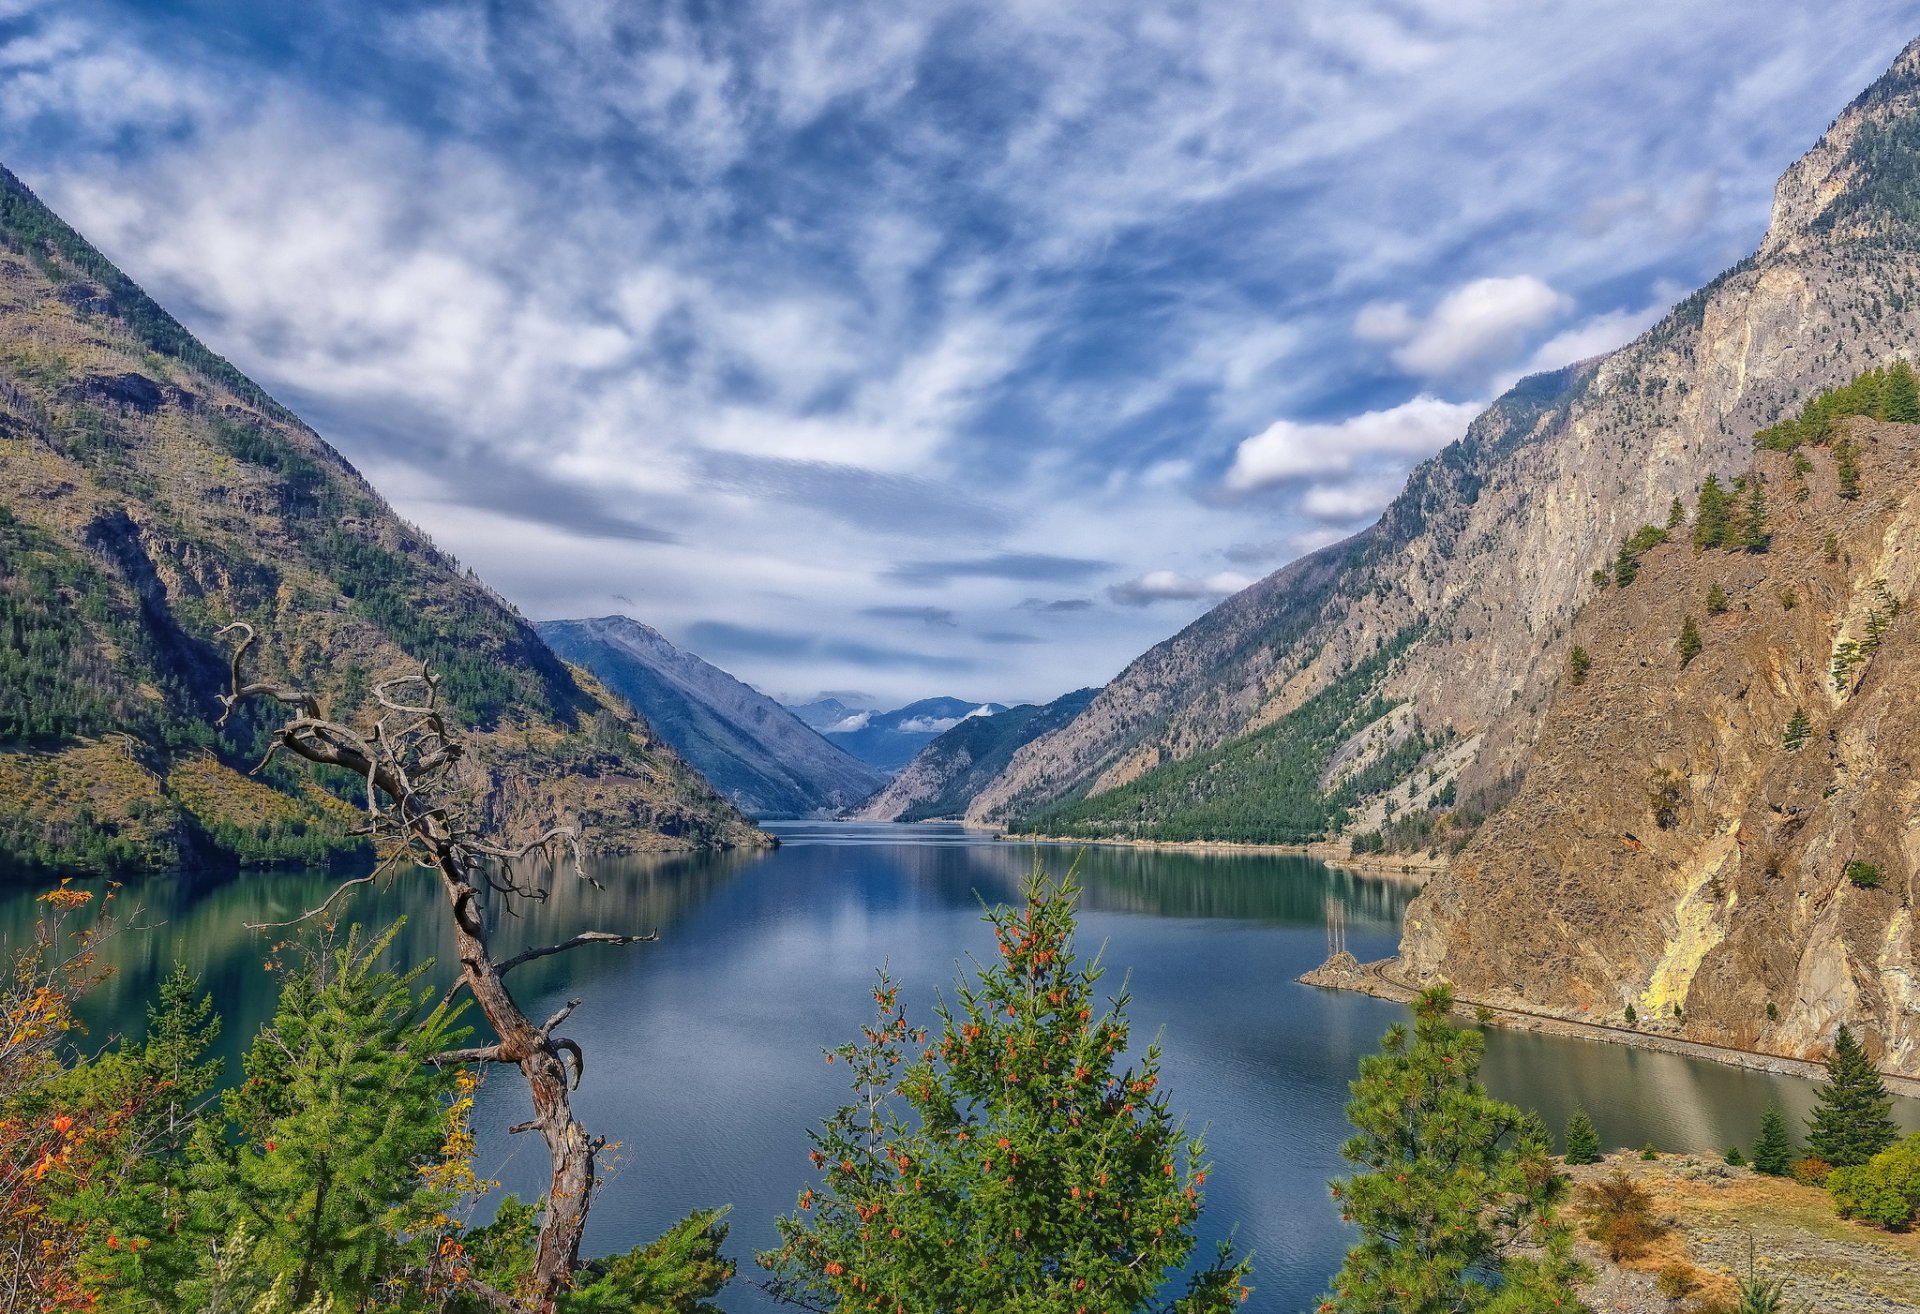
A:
(1601, 333)
(846, 725)
(1171, 586)
(1347, 502)
(1289, 449)
(1477, 324)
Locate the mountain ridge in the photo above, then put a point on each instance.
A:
(763, 758)
(154, 493)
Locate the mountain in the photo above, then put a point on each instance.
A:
(1476, 571)
(153, 494)
(888, 740)
(1717, 831)
(751, 748)
(1418, 674)
(944, 776)
(824, 713)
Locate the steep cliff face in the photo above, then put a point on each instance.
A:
(1492, 545)
(943, 778)
(751, 748)
(152, 494)
(1727, 844)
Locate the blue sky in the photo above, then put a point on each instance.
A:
(910, 349)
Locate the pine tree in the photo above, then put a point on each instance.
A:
(1900, 395)
(1458, 1198)
(1712, 520)
(1716, 599)
(1853, 1119)
(1012, 1165)
(1689, 641)
(339, 1113)
(1676, 515)
(1773, 1149)
(1583, 1139)
(1578, 664)
(1794, 737)
(1754, 535)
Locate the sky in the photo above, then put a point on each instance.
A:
(896, 350)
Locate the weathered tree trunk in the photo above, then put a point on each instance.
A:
(430, 822)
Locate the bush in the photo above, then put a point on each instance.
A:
(1690, 645)
(1677, 1280)
(1811, 1172)
(1648, 1153)
(1735, 1159)
(1864, 874)
(1578, 664)
(1619, 1215)
(1884, 1190)
(1716, 600)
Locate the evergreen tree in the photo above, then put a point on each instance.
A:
(1754, 535)
(1716, 599)
(1899, 395)
(1583, 1140)
(1012, 1165)
(1689, 641)
(1457, 1204)
(1773, 1149)
(1626, 567)
(1713, 517)
(1676, 515)
(339, 1113)
(1578, 664)
(1794, 737)
(1853, 1120)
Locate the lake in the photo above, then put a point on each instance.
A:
(704, 1050)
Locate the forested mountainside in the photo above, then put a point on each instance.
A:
(1479, 566)
(755, 751)
(154, 494)
(944, 776)
(1716, 836)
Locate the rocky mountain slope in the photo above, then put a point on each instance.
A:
(153, 494)
(1718, 826)
(1481, 563)
(943, 778)
(752, 749)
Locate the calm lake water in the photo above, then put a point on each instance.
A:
(704, 1050)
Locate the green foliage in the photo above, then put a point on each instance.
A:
(1716, 600)
(1626, 562)
(1885, 1189)
(1260, 787)
(1873, 394)
(1853, 1120)
(1735, 1158)
(1689, 643)
(1863, 874)
(1773, 1149)
(337, 1118)
(1900, 396)
(1846, 464)
(1713, 518)
(1583, 1140)
(1676, 514)
(1631, 1015)
(1457, 1203)
(1011, 1165)
(1754, 535)
(1794, 737)
(1578, 664)
(679, 1273)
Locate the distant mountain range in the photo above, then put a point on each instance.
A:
(888, 740)
(944, 776)
(153, 494)
(756, 752)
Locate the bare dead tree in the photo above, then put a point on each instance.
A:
(422, 811)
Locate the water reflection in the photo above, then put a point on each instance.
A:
(703, 1050)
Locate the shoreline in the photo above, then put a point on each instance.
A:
(1370, 979)
(1331, 852)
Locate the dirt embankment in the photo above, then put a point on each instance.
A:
(1712, 1214)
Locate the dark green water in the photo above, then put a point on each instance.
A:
(703, 1051)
